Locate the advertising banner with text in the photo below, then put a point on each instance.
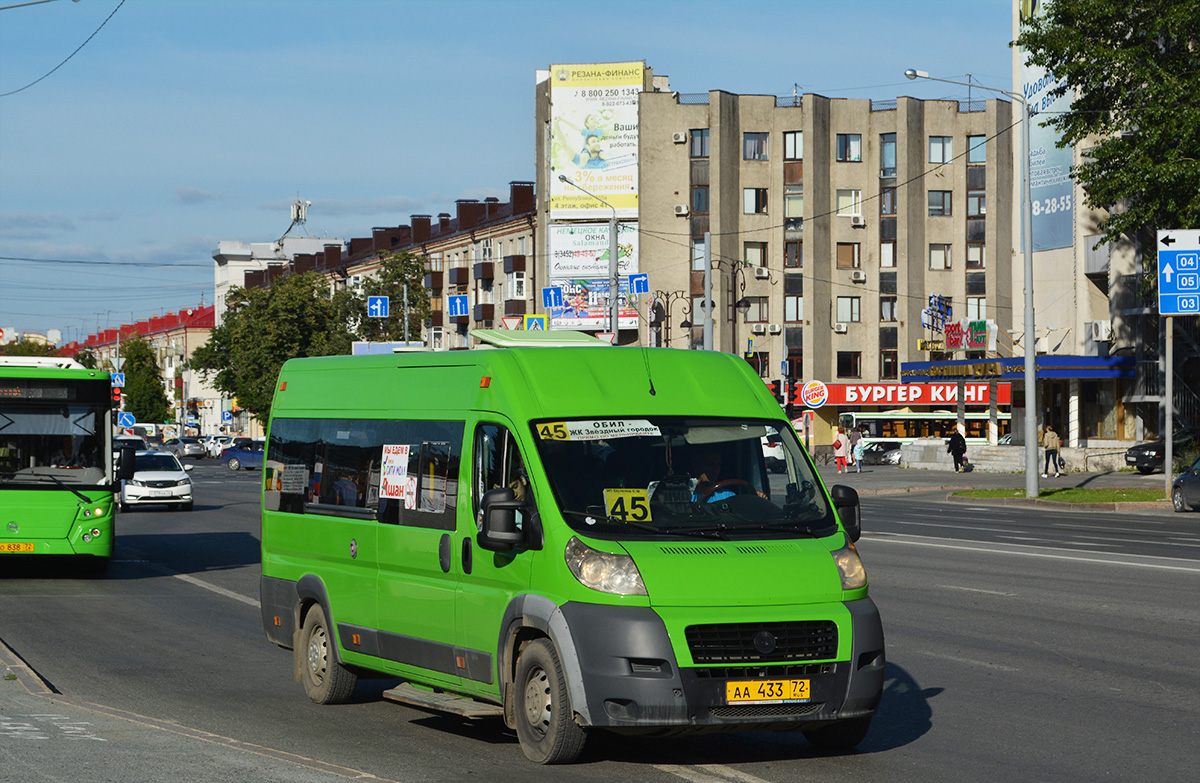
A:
(892, 395)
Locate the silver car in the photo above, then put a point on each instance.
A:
(157, 478)
(185, 447)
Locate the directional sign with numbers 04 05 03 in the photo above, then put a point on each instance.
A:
(1179, 272)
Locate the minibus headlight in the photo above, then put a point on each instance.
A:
(603, 571)
(850, 567)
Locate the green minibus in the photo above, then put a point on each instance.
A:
(567, 536)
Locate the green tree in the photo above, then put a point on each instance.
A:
(145, 395)
(27, 348)
(396, 270)
(87, 357)
(264, 327)
(1133, 67)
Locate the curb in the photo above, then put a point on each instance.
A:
(1160, 505)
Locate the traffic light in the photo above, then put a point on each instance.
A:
(116, 397)
(778, 388)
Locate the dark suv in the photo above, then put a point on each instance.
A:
(1148, 457)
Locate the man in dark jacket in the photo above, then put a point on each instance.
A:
(957, 447)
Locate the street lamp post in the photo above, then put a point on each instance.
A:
(613, 283)
(1030, 340)
(668, 300)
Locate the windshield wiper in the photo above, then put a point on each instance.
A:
(614, 520)
(776, 527)
(82, 496)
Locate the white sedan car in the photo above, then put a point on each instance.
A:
(158, 478)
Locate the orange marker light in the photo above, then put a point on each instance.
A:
(485, 382)
(282, 385)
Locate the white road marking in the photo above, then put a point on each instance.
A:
(709, 773)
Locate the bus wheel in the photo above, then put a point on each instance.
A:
(840, 736)
(545, 722)
(325, 680)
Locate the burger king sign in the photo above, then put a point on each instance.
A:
(814, 394)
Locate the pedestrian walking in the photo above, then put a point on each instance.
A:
(856, 448)
(1051, 442)
(956, 447)
(841, 449)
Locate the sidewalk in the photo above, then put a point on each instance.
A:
(890, 479)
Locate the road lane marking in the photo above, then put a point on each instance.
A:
(709, 773)
(977, 590)
(1048, 553)
(218, 590)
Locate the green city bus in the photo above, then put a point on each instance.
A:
(57, 472)
(568, 538)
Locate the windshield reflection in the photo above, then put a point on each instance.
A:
(674, 476)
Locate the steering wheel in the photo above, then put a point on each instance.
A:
(733, 482)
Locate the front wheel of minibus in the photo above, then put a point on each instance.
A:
(545, 721)
(325, 680)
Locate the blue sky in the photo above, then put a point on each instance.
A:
(183, 123)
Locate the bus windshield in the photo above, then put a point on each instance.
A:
(676, 476)
(53, 444)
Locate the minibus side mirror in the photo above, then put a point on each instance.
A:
(125, 463)
(500, 532)
(845, 500)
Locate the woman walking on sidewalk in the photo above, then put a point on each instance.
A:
(841, 448)
(1051, 441)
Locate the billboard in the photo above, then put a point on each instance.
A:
(581, 250)
(594, 138)
(1050, 184)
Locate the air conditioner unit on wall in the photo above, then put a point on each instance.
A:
(1101, 331)
(759, 328)
(840, 328)
(858, 221)
(775, 329)
(681, 210)
(858, 276)
(762, 273)
(679, 138)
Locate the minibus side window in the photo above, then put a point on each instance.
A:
(497, 464)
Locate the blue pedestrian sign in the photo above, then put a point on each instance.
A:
(118, 379)
(458, 305)
(639, 284)
(552, 297)
(1179, 272)
(125, 419)
(377, 306)
(535, 323)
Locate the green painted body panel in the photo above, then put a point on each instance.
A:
(394, 583)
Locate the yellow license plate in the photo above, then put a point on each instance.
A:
(13, 546)
(766, 691)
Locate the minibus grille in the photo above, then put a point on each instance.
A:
(763, 642)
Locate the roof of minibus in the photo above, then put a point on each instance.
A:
(527, 383)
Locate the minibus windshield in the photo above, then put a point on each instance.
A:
(682, 477)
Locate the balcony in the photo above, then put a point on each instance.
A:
(437, 317)
(484, 312)
(514, 264)
(483, 270)
(433, 281)
(460, 275)
(515, 307)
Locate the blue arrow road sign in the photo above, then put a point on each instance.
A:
(377, 306)
(552, 296)
(458, 305)
(639, 284)
(125, 419)
(1179, 272)
(118, 379)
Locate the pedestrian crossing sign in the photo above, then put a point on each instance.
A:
(535, 323)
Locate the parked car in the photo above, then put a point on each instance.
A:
(772, 447)
(186, 446)
(158, 477)
(1185, 492)
(245, 454)
(218, 443)
(882, 452)
(1148, 457)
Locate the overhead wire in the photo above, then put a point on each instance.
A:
(72, 54)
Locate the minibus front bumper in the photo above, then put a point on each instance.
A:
(631, 681)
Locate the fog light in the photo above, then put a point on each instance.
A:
(87, 537)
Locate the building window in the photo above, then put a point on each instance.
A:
(887, 254)
(887, 154)
(849, 203)
(698, 255)
(754, 201)
(849, 364)
(793, 201)
(941, 149)
(759, 311)
(793, 145)
(977, 149)
(848, 256)
(700, 143)
(849, 147)
(976, 203)
(793, 254)
(887, 308)
(847, 309)
(793, 298)
(939, 257)
(754, 253)
(754, 146)
(939, 203)
(700, 198)
(975, 255)
(976, 308)
(889, 365)
(514, 284)
(887, 201)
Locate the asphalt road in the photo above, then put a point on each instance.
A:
(1023, 645)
